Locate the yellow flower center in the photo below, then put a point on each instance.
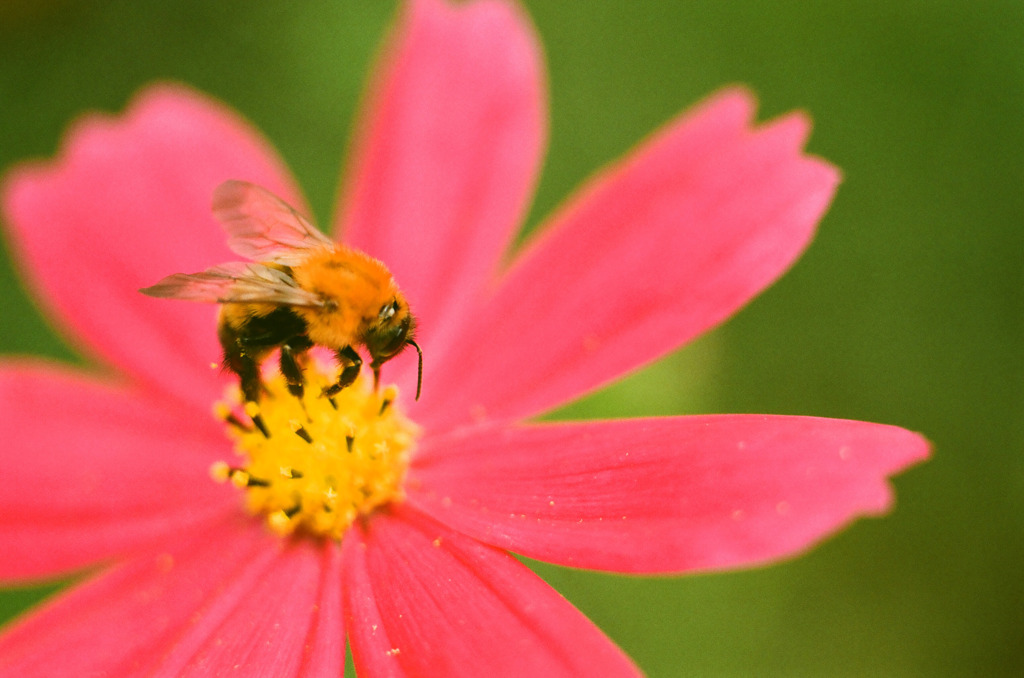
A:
(314, 465)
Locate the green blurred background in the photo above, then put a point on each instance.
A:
(907, 309)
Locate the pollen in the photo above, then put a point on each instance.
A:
(316, 464)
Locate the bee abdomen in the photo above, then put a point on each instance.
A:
(270, 330)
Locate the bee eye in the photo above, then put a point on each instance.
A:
(387, 311)
(384, 344)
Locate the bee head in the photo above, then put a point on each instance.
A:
(392, 332)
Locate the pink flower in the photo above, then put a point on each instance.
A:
(106, 468)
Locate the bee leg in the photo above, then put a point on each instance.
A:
(248, 371)
(291, 351)
(375, 366)
(252, 386)
(352, 362)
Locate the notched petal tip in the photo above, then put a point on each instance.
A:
(913, 448)
(92, 126)
(735, 101)
(792, 129)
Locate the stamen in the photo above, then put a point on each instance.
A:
(253, 410)
(220, 471)
(350, 435)
(389, 396)
(298, 430)
(242, 478)
(224, 413)
(279, 522)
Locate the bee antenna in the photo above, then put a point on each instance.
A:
(419, 374)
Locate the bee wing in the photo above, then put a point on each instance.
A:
(262, 227)
(234, 283)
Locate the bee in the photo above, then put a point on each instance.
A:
(300, 289)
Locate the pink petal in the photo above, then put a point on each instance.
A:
(671, 494)
(448, 152)
(126, 203)
(94, 470)
(325, 644)
(262, 622)
(653, 251)
(136, 618)
(422, 600)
